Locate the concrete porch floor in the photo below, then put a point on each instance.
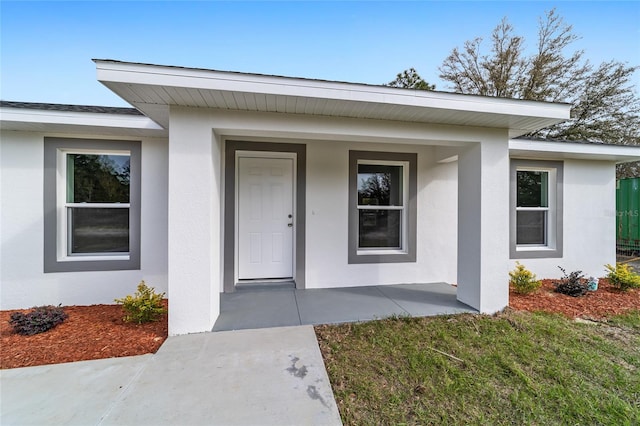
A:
(267, 307)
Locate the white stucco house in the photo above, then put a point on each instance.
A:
(219, 178)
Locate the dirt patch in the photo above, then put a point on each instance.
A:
(90, 332)
(604, 302)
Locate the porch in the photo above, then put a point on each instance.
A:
(282, 305)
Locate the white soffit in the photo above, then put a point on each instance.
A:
(152, 88)
(47, 121)
(531, 149)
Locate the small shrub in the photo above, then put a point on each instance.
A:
(523, 280)
(622, 277)
(572, 285)
(144, 306)
(39, 320)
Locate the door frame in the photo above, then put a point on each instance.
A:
(294, 213)
(232, 149)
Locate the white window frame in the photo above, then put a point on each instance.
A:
(552, 248)
(403, 208)
(63, 209)
(550, 219)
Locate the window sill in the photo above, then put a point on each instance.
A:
(92, 258)
(536, 252)
(380, 252)
(534, 248)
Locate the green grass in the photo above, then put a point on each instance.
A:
(512, 368)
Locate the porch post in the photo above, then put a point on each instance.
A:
(483, 224)
(194, 222)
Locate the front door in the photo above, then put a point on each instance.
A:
(265, 218)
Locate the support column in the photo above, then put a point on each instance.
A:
(483, 225)
(194, 222)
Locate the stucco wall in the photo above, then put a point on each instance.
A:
(589, 221)
(327, 224)
(22, 281)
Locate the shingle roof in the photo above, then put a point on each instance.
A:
(70, 108)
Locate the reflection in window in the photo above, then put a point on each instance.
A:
(379, 185)
(380, 206)
(98, 202)
(532, 207)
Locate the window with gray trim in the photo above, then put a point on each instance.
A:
(382, 207)
(536, 209)
(91, 205)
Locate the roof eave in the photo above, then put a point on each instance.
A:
(22, 119)
(129, 79)
(536, 149)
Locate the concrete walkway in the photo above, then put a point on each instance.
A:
(273, 376)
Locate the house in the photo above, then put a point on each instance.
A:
(219, 178)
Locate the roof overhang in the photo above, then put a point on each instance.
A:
(72, 122)
(153, 88)
(532, 149)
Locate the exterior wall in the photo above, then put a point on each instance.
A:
(589, 221)
(195, 222)
(327, 220)
(483, 236)
(22, 280)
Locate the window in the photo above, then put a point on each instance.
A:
(536, 218)
(92, 205)
(382, 216)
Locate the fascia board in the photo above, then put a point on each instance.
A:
(78, 119)
(248, 83)
(605, 152)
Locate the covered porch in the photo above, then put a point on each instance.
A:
(281, 305)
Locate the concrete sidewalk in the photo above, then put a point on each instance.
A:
(273, 376)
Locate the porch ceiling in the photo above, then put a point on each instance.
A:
(153, 88)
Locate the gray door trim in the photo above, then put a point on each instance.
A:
(230, 206)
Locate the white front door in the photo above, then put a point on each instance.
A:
(265, 218)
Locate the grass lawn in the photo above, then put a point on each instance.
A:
(512, 368)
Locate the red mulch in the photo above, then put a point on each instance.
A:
(98, 331)
(604, 302)
(90, 332)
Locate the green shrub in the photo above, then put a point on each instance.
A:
(144, 306)
(622, 277)
(523, 280)
(573, 284)
(39, 320)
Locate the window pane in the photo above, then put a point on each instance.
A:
(380, 229)
(531, 227)
(99, 230)
(533, 188)
(379, 185)
(97, 178)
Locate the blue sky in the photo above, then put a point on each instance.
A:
(46, 47)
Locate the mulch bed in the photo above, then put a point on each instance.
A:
(98, 331)
(90, 332)
(604, 302)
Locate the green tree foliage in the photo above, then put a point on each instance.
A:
(410, 79)
(98, 178)
(605, 107)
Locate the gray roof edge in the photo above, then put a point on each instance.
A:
(70, 108)
(581, 141)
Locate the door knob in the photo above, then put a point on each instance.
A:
(290, 225)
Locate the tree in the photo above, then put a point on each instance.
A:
(410, 79)
(605, 108)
